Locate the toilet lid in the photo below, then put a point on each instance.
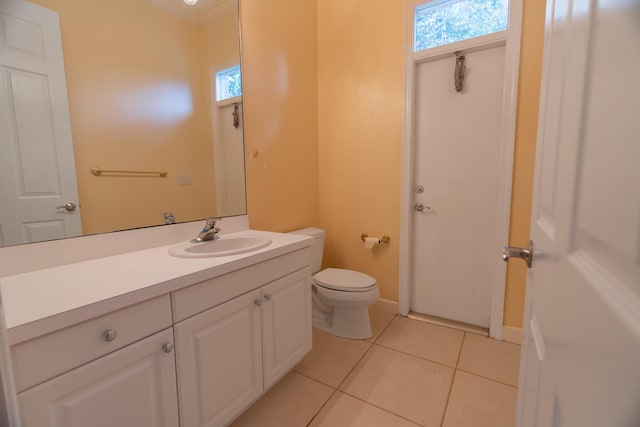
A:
(344, 280)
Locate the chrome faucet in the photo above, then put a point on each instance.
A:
(208, 232)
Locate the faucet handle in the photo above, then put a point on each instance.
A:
(210, 223)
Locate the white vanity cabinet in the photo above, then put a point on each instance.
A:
(229, 355)
(133, 386)
(140, 340)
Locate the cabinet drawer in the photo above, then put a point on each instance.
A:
(45, 357)
(204, 295)
(132, 387)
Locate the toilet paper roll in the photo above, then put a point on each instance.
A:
(370, 242)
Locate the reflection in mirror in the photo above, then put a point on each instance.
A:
(132, 87)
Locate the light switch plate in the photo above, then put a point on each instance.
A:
(184, 180)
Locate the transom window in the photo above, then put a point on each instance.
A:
(228, 83)
(442, 22)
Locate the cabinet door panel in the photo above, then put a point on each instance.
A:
(219, 361)
(134, 386)
(286, 323)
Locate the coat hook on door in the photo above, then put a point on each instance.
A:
(458, 74)
(236, 116)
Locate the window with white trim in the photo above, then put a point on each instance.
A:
(441, 22)
(228, 83)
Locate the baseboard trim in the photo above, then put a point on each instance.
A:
(512, 334)
(386, 305)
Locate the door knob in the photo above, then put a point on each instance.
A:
(420, 207)
(525, 254)
(70, 207)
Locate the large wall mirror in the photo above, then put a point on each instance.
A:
(118, 114)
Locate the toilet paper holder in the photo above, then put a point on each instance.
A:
(384, 239)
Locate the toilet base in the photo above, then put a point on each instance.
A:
(351, 322)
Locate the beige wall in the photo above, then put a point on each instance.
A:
(360, 103)
(281, 113)
(360, 82)
(138, 100)
(220, 40)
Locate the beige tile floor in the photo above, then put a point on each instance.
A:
(410, 373)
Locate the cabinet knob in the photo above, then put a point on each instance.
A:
(167, 347)
(110, 335)
(258, 302)
(267, 297)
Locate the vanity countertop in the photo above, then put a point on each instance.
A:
(115, 281)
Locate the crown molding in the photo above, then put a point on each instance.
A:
(198, 14)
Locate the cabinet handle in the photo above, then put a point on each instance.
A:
(258, 302)
(110, 335)
(267, 297)
(167, 347)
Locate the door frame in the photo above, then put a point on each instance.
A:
(510, 38)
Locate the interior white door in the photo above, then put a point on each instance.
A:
(37, 169)
(457, 147)
(579, 363)
(229, 156)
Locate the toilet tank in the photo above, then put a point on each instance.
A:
(316, 247)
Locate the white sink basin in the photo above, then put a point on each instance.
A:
(225, 245)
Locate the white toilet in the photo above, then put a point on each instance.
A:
(340, 298)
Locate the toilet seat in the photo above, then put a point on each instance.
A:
(339, 279)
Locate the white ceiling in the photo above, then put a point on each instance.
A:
(202, 11)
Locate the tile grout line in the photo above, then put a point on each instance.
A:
(314, 379)
(375, 343)
(379, 407)
(416, 356)
(478, 375)
(453, 378)
(488, 379)
(371, 344)
(460, 351)
(385, 329)
(336, 389)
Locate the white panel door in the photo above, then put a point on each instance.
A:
(37, 169)
(457, 150)
(132, 387)
(286, 324)
(219, 354)
(581, 350)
